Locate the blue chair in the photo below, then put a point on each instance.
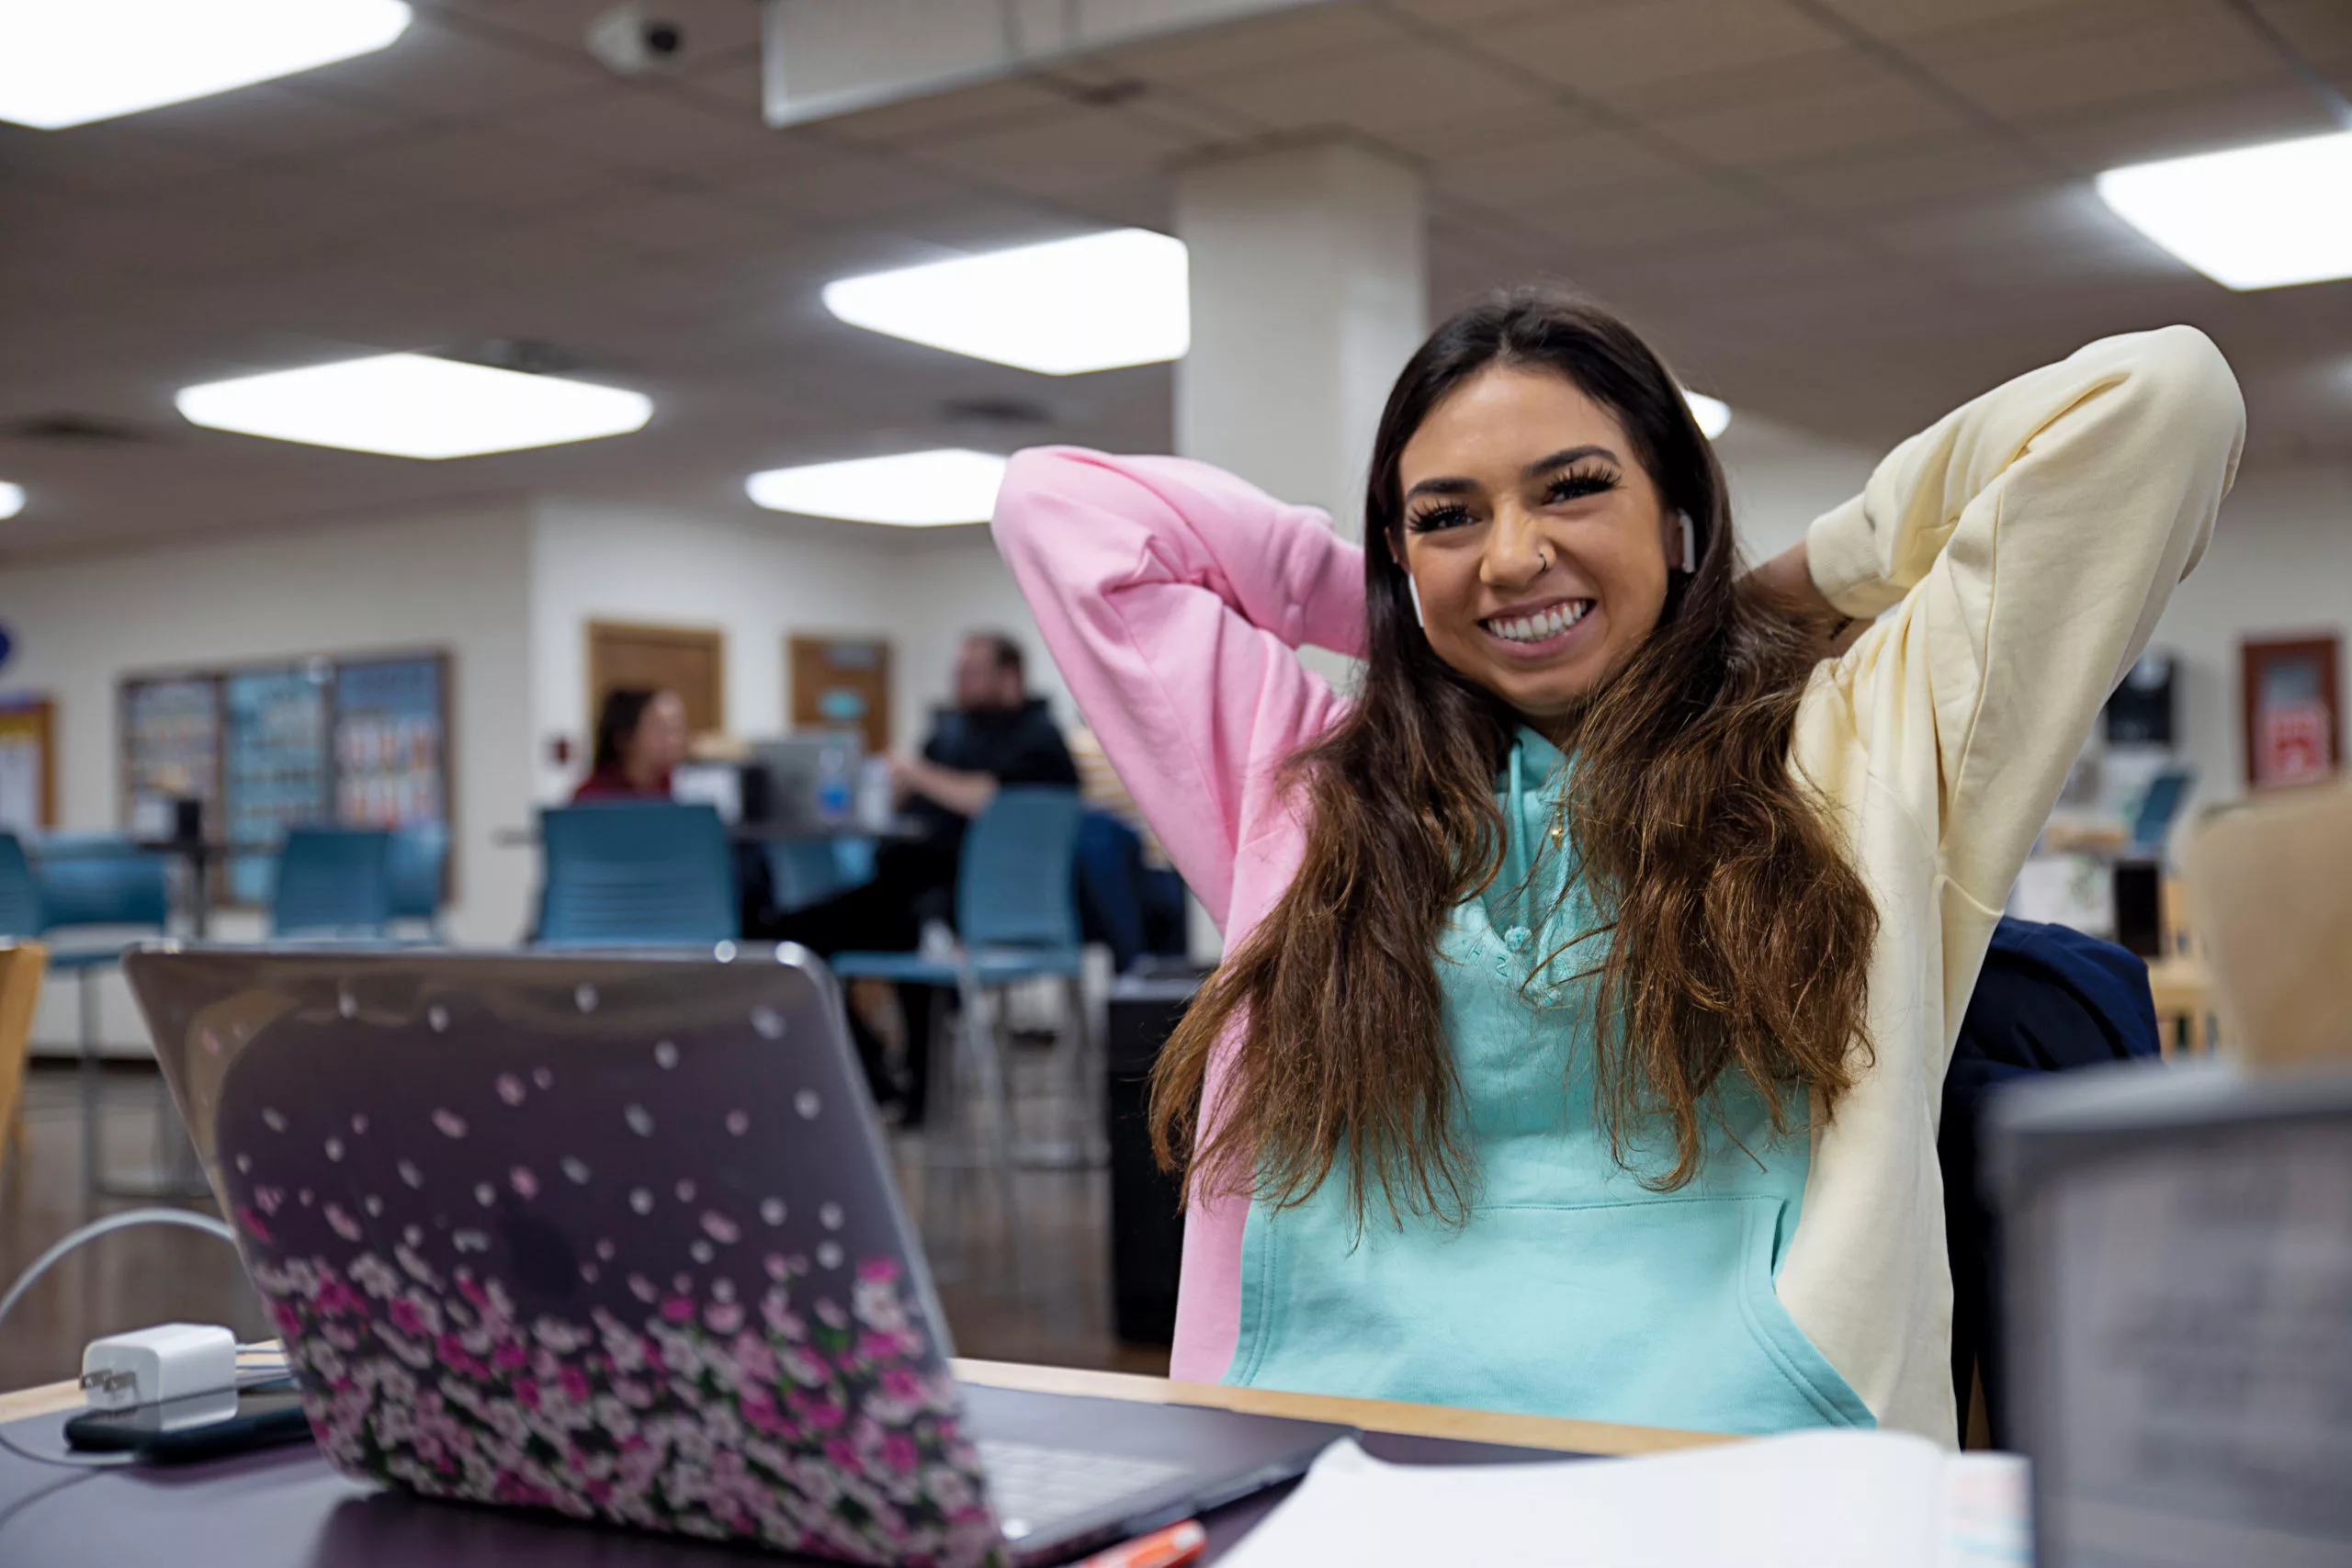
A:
(335, 882)
(1017, 918)
(636, 874)
(109, 891)
(802, 872)
(420, 859)
(20, 914)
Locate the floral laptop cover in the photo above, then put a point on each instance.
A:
(606, 1235)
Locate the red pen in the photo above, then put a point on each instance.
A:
(1169, 1548)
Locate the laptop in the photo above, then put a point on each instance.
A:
(808, 781)
(614, 1235)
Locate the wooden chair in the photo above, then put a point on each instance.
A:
(22, 965)
(2180, 981)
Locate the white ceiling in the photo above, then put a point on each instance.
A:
(1845, 214)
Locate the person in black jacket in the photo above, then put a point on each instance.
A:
(995, 734)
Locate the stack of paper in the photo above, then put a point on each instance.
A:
(1813, 1500)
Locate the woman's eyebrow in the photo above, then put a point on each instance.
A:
(1448, 486)
(1565, 455)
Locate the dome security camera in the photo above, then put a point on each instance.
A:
(630, 43)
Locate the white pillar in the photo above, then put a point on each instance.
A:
(1309, 291)
(1308, 294)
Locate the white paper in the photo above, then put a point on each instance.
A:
(1809, 1500)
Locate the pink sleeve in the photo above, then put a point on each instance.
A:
(1173, 596)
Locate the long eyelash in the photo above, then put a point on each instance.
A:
(1436, 517)
(1577, 482)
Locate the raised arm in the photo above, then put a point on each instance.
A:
(1172, 596)
(2031, 537)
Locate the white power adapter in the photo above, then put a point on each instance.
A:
(172, 1360)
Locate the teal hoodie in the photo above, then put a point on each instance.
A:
(1572, 1289)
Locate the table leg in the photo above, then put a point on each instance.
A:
(199, 867)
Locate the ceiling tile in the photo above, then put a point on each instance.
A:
(1472, 136)
(279, 121)
(1079, 148)
(1903, 173)
(932, 117)
(848, 186)
(1806, 106)
(2057, 59)
(1653, 215)
(2051, 220)
(1469, 14)
(1536, 173)
(645, 128)
(2180, 123)
(656, 226)
(2321, 30)
(1616, 51)
(711, 27)
(443, 69)
(1307, 34)
(112, 158)
(487, 167)
(1397, 89)
(1903, 18)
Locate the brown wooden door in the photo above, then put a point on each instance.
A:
(841, 682)
(686, 659)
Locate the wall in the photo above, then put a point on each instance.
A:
(1782, 478)
(760, 583)
(2280, 564)
(458, 581)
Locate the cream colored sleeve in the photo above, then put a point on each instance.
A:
(2031, 538)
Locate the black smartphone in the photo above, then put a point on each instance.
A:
(205, 1427)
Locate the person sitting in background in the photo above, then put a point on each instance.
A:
(997, 734)
(641, 739)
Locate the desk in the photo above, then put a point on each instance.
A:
(276, 1506)
(1371, 1415)
(898, 830)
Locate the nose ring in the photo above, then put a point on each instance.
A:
(1544, 554)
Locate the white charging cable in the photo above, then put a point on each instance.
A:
(73, 1240)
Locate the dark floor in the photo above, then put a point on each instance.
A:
(1059, 1313)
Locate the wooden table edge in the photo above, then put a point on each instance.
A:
(1370, 1414)
(1560, 1433)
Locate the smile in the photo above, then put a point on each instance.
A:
(1541, 627)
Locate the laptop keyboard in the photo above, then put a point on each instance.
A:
(1033, 1486)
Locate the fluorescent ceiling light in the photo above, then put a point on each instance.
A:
(2254, 217)
(1713, 414)
(1092, 303)
(70, 62)
(12, 498)
(411, 405)
(914, 490)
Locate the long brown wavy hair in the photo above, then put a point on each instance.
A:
(1738, 931)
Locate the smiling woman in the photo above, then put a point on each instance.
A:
(1591, 975)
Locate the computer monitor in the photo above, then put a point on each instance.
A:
(2177, 1271)
(719, 786)
(2158, 806)
(808, 782)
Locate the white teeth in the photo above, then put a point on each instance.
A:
(1535, 629)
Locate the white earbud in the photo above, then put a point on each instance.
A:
(1414, 589)
(1690, 543)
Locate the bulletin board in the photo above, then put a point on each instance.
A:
(357, 740)
(2294, 721)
